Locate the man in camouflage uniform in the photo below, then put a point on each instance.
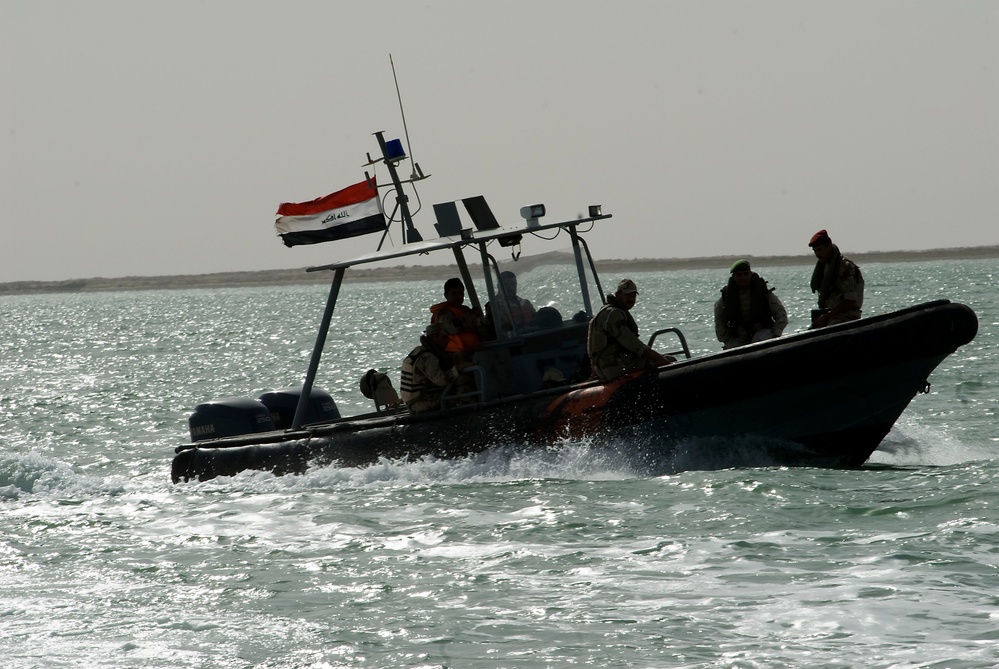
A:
(612, 339)
(426, 371)
(748, 309)
(837, 280)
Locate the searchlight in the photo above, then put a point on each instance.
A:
(532, 213)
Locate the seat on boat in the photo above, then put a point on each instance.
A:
(547, 318)
(377, 386)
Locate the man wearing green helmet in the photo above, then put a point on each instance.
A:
(748, 310)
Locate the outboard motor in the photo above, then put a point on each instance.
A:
(229, 417)
(282, 404)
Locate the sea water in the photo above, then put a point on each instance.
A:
(560, 558)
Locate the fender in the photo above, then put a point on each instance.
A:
(581, 413)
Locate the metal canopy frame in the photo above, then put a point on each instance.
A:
(468, 238)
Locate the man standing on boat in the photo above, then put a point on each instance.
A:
(837, 280)
(612, 339)
(427, 371)
(747, 311)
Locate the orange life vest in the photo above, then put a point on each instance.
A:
(467, 339)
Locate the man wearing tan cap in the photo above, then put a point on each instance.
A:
(612, 340)
(837, 280)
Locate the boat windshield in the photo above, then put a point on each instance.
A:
(538, 293)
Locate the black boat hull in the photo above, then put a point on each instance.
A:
(821, 398)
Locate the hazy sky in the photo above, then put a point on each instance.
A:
(147, 138)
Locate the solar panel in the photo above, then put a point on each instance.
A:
(448, 224)
(482, 216)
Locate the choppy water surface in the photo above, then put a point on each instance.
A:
(557, 559)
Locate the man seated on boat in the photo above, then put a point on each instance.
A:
(837, 280)
(508, 309)
(612, 339)
(463, 326)
(747, 311)
(427, 371)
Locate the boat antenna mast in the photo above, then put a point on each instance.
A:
(417, 173)
(392, 155)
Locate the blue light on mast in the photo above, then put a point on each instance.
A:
(394, 150)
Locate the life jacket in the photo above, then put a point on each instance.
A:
(596, 336)
(517, 309)
(413, 385)
(410, 388)
(759, 303)
(467, 338)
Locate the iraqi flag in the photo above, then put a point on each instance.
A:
(355, 210)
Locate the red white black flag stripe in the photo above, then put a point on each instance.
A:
(355, 210)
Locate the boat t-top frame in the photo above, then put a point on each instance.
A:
(458, 239)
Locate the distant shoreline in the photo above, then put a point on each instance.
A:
(280, 277)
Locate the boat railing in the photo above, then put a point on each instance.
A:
(449, 396)
(683, 341)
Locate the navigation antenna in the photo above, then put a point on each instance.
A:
(392, 154)
(417, 172)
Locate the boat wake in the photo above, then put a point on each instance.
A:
(32, 473)
(918, 445)
(625, 458)
(568, 460)
(577, 460)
